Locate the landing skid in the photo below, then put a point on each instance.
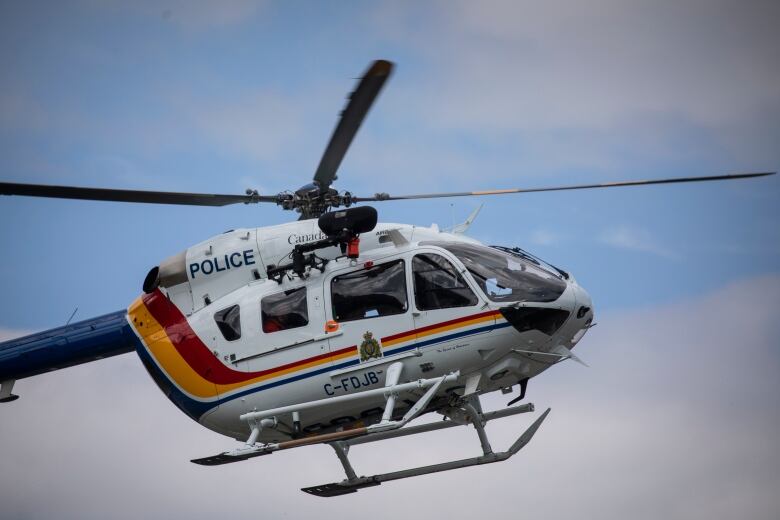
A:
(461, 412)
(353, 483)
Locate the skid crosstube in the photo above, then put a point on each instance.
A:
(352, 485)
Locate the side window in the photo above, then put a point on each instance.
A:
(285, 310)
(370, 293)
(438, 285)
(229, 322)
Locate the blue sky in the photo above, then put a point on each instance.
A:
(218, 97)
(198, 97)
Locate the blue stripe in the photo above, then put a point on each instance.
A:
(194, 409)
(448, 337)
(293, 379)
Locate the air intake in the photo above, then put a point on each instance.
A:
(543, 319)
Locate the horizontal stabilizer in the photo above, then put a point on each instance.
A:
(73, 344)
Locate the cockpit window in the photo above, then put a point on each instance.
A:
(504, 277)
(229, 322)
(285, 310)
(437, 285)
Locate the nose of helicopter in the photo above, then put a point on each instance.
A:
(584, 301)
(582, 314)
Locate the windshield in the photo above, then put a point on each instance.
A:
(504, 277)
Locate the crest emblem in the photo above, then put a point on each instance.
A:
(370, 347)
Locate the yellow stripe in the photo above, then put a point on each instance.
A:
(162, 350)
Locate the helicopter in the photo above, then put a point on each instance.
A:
(334, 328)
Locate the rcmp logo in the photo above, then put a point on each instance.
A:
(370, 347)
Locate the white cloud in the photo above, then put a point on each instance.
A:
(635, 239)
(262, 124)
(507, 64)
(545, 237)
(7, 334)
(20, 111)
(204, 13)
(602, 86)
(677, 418)
(194, 15)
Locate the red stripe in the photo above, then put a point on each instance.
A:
(437, 325)
(198, 356)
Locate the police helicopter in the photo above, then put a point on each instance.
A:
(333, 329)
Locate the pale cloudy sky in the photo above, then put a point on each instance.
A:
(678, 415)
(676, 418)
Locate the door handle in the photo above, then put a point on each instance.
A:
(327, 335)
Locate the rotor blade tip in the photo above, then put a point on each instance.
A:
(380, 68)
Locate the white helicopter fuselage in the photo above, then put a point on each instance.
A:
(290, 340)
(295, 334)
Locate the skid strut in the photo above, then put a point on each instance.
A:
(267, 418)
(5, 391)
(353, 483)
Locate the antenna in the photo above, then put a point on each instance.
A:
(71, 316)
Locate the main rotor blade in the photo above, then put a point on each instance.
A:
(151, 197)
(360, 101)
(385, 196)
